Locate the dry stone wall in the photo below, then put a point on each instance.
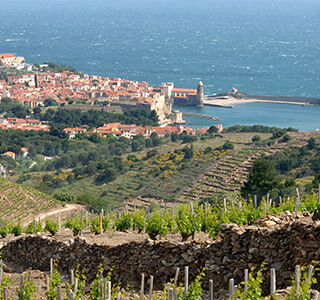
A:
(282, 241)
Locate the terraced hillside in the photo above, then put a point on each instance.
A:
(225, 178)
(19, 202)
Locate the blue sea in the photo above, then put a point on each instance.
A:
(263, 47)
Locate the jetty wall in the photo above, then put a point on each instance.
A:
(313, 101)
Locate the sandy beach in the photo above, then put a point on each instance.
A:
(231, 101)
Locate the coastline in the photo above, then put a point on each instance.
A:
(231, 101)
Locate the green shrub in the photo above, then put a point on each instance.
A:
(74, 223)
(124, 223)
(30, 227)
(55, 281)
(28, 289)
(4, 229)
(51, 226)
(17, 229)
(155, 225)
(95, 224)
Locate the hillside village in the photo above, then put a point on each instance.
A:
(38, 83)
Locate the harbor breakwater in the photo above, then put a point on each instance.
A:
(280, 241)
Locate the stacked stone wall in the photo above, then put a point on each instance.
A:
(282, 242)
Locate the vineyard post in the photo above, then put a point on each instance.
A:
(75, 285)
(297, 201)
(109, 290)
(314, 295)
(280, 201)
(176, 277)
(119, 296)
(273, 284)
(268, 198)
(59, 228)
(142, 287)
(104, 294)
(101, 229)
(170, 294)
(151, 287)
(135, 218)
(255, 202)
(5, 293)
(21, 287)
(81, 217)
(211, 289)
(240, 206)
(186, 280)
(270, 202)
(51, 267)
(235, 288)
(102, 212)
(35, 226)
(91, 215)
(225, 205)
(39, 292)
(310, 272)
(59, 292)
(246, 278)
(71, 294)
(87, 219)
(297, 281)
(72, 276)
(192, 210)
(265, 210)
(231, 288)
(1, 271)
(206, 214)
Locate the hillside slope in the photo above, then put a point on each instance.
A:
(19, 202)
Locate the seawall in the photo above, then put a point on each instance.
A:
(282, 242)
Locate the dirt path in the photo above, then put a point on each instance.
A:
(68, 209)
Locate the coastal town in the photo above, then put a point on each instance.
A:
(34, 84)
(43, 87)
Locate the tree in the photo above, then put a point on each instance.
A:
(174, 137)
(50, 102)
(188, 152)
(189, 138)
(316, 180)
(107, 175)
(312, 143)
(228, 146)
(262, 178)
(213, 129)
(256, 139)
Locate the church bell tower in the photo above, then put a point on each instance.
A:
(200, 96)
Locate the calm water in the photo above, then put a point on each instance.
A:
(268, 47)
(305, 118)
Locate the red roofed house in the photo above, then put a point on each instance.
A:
(24, 152)
(11, 154)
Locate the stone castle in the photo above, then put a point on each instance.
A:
(181, 96)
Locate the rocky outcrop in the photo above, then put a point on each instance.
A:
(282, 242)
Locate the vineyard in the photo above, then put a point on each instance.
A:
(185, 220)
(225, 178)
(19, 202)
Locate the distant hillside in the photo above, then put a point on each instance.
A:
(20, 202)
